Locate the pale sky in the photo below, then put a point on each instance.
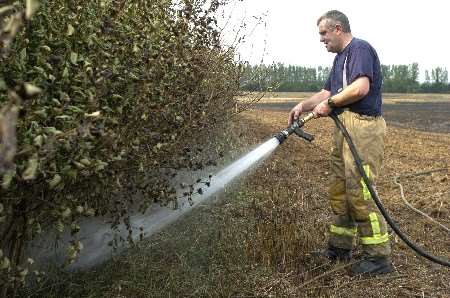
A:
(402, 32)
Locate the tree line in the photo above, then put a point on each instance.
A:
(396, 78)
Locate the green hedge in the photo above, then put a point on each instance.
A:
(131, 92)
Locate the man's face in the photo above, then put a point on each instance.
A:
(330, 36)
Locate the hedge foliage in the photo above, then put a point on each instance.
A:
(130, 92)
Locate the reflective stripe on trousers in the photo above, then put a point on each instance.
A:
(377, 238)
(343, 231)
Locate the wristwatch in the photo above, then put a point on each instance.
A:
(331, 102)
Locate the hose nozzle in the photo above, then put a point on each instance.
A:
(281, 136)
(296, 128)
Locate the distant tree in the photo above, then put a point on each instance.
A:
(439, 75)
(438, 82)
(413, 72)
(427, 77)
(400, 78)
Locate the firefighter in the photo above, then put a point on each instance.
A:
(353, 91)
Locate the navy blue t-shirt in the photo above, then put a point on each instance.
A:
(362, 60)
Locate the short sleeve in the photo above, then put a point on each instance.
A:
(327, 85)
(361, 64)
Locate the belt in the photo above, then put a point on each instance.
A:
(362, 115)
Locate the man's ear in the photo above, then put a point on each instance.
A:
(338, 28)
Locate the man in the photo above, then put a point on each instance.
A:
(353, 91)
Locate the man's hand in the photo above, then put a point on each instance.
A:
(295, 113)
(322, 109)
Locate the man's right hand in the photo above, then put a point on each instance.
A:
(295, 113)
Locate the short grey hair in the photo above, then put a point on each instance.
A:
(334, 17)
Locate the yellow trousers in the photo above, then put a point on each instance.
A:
(355, 212)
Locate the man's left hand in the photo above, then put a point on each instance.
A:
(322, 109)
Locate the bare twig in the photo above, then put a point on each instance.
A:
(412, 207)
(359, 281)
(309, 281)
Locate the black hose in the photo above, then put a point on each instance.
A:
(377, 201)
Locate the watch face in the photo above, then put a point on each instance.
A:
(331, 103)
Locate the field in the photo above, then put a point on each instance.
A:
(256, 241)
(427, 112)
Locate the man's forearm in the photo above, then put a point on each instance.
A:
(354, 92)
(313, 101)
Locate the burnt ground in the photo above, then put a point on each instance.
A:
(424, 116)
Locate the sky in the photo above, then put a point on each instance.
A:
(402, 32)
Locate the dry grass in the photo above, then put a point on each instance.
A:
(256, 241)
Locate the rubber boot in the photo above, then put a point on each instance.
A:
(335, 253)
(338, 254)
(372, 266)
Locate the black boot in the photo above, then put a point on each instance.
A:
(335, 253)
(338, 254)
(372, 266)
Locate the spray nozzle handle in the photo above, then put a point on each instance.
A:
(303, 134)
(305, 119)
